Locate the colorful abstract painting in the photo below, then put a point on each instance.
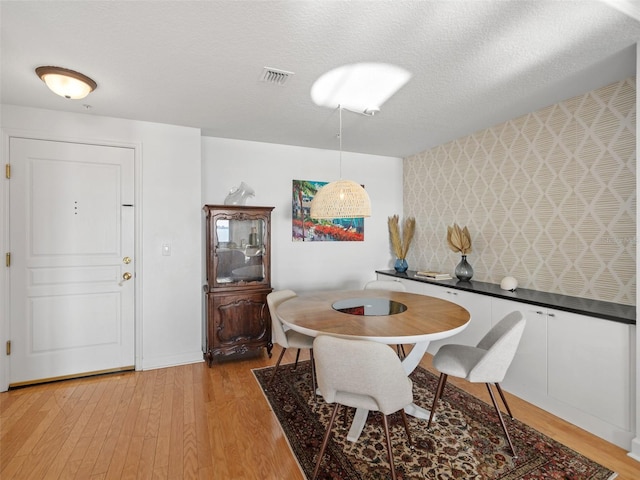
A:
(306, 229)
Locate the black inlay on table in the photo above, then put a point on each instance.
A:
(369, 306)
(594, 308)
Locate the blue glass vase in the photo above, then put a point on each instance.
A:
(401, 265)
(464, 271)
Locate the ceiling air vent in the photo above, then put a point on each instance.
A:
(273, 75)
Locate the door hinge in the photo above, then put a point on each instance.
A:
(8, 347)
(7, 170)
(8, 259)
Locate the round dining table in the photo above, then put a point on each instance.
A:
(394, 318)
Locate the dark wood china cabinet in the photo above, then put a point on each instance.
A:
(238, 256)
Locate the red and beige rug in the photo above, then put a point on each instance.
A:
(465, 440)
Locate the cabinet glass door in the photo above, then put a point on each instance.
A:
(240, 249)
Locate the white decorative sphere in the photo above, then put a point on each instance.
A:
(509, 283)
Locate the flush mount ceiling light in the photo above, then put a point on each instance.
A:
(66, 83)
(342, 198)
(359, 87)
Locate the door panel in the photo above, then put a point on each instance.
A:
(71, 226)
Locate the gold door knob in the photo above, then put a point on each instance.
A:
(126, 260)
(126, 276)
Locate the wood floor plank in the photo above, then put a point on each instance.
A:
(147, 459)
(191, 422)
(135, 451)
(123, 436)
(201, 419)
(48, 462)
(177, 432)
(75, 443)
(96, 430)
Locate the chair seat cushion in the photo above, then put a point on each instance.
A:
(298, 340)
(457, 360)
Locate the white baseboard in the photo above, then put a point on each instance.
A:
(635, 449)
(172, 360)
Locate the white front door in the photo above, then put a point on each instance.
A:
(71, 220)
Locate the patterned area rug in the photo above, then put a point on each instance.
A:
(465, 440)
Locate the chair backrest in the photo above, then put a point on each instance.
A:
(358, 371)
(277, 330)
(501, 344)
(385, 285)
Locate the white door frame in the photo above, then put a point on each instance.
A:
(5, 294)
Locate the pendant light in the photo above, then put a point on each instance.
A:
(66, 83)
(342, 198)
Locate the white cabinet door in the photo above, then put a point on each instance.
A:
(479, 306)
(411, 285)
(527, 375)
(590, 362)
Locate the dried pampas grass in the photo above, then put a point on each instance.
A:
(400, 241)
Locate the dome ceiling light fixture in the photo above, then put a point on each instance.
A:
(342, 198)
(66, 83)
(359, 87)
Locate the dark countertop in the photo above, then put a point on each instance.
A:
(593, 308)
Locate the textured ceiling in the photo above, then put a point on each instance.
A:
(198, 63)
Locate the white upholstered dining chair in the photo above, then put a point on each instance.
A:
(288, 338)
(361, 374)
(487, 362)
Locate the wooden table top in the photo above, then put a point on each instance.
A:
(426, 318)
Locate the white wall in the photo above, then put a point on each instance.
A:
(168, 166)
(270, 169)
(179, 171)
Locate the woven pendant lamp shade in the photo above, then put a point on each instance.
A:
(341, 199)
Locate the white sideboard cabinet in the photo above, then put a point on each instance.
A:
(577, 366)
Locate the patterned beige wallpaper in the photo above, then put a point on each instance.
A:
(549, 198)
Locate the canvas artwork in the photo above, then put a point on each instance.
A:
(306, 229)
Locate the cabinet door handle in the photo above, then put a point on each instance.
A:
(539, 312)
(451, 293)
(552, 314)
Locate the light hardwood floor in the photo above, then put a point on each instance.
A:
(190, 422)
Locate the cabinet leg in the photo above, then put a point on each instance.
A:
(209, 358)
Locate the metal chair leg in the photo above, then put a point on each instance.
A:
(273, 375)
(437, 395)
(295, 365)
(325, 441)
(385, 423)
(314, 386)
(406, 428)
(504, 400)
(504, 427)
